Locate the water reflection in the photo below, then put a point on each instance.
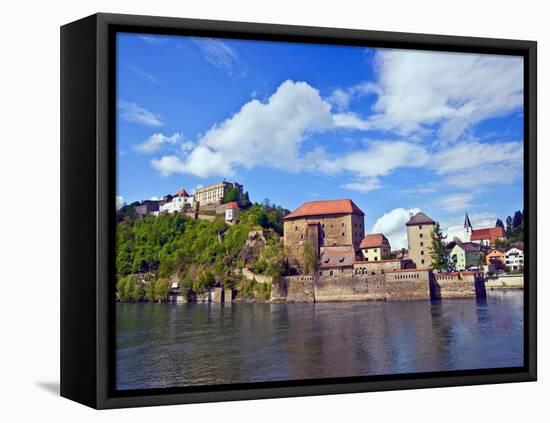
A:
(165, 345)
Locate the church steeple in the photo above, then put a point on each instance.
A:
(467, 228)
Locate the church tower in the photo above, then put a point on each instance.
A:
(467, 228)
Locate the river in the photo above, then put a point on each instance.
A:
(175, 345)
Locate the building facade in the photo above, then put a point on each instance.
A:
(232, 211)
(514, 259)
(488, 237)
(215, 193)
(177, 203)
(465, 255)
(419, 238)
(375, 247)
(495, 257)
(147, 207)
(329, 223)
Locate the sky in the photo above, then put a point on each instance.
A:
(396, 131)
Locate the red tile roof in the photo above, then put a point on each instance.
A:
(320, 208)
(181, 193)
(232, 205)
(491, 234)
(337, 256)
(373, 241)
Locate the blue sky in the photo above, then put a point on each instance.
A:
(394, 130)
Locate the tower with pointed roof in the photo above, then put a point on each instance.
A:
(419, 238)
(467, 228)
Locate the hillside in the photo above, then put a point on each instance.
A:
(198, 253)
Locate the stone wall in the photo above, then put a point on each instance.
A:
(457, 285)
(327, 229)
(350, 288)
(293, 289)
(409, 284)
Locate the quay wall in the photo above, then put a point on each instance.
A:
(398, 285)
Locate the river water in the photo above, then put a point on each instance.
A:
(175, 345)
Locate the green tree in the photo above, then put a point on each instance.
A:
(138, 292)
(310, 258)
(231, 195)
(203, 283)
(272, 259)
(150, 291)
(437, 253)
(162, 289)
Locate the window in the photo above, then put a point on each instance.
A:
(302, 236)
(375, 250)
(422, 252)
(420, 227)
(421, 235)
(422, 244)
(343, 234)
(323, 226)
(321, 273)
(295, 228)
(375, 258)
(331, 272)
(422, 261)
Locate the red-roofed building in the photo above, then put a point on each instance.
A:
(329, 223)
(375, 247)
(231, 211)
(488, 236)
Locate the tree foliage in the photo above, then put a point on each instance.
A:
(272, 259)
(161, 246)
(437, 250)
(310, 258)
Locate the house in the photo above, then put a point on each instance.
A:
(232, 212)
(419, 237)
(328, 223)
(465, 255)
(178, 202)
(375, 247)
(496, 258)
(488, 237)
(336, 261)
(215, 193)
(514, 259)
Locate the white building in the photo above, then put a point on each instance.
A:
(215, 193)
(513, 259)
(180, 201)
(232, 212)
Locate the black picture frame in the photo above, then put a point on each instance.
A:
(88, 207)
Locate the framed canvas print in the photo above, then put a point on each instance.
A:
(255, 211)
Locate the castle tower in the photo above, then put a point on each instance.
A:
(467, 228)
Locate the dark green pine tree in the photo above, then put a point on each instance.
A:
(437, 253)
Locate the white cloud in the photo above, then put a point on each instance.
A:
(156, 141)
(350, 120)
(392, 225)
(379, 159)
(475, 164)
(119, 201)
(341, 97)
(455, 202)
(268, 134)
(452, 90)
(144, 75)
(131, 112)
(222, 56)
